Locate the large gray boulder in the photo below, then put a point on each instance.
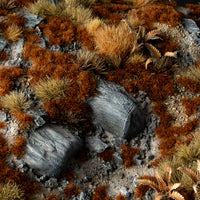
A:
(49, 148)
(115, 111)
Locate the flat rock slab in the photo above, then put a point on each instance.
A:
(115, 111)
(49, 148)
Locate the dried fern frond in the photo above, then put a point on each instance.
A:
(12, 33)
(176, 195)
(189, 172)
(7, 4)
(142, 3)
(51, 89)
(15, 101)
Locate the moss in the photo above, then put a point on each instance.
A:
(100, 193)
(107, 155)
(191, 105)
(18, 148)
(71, 190)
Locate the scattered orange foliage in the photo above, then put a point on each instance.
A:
(191, 105)
(3, 56)
(26, 120)
(52, 197)
(158, 13)
(18, 148)
(127, 154)
(193, 86)
(120, 197)
(71, 190)
(7, 174)
(100, 193)
(141, 190)
(107, 155)
(17, 19)
(30, 36)
(8, 76)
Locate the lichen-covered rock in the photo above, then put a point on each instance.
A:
(49, 148)
(32, 20)
(116, 111)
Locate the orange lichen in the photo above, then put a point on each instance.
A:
(8, 76)
(127, 154)
(100, 193)
(52, 197)
(191, 105)
(71, 190)
(26, 120)
(18, 148)
(120, 197)
(69, 175)
(107, 155)
(141, 190)
(193, 86)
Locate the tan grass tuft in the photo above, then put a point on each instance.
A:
(193, 73)
(12, 33)
(42, 8)
(10, 191)
(15, 101)
(93, 25)
(134, 21)
(143, 3)
(51, 89)
(7, 4)
(114, 40)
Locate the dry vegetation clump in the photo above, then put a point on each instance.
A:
(8, 174)
(52, 197)
(191, 105)
(120, 197)
(17, 19)
(31, 37)
(90, 61)
(128, 154)
(114, 42)
(15, 101)
(3, 56)
(163, 186)
(158, 13)
(100, 193)
(7, 4)
(51, 89)
(142, 3)
(93, 25)
(107, 155)
(71, 190)
(18, 148)
(9, 191)
(12, 33)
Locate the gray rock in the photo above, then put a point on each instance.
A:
(3, 116)
(118, 159)
(39, 121)
(115, 110)
(51, 183)
(185, 11)
(32, 20)
(4, 131)
(56, 48)
(84, 196)
(13, 63)
(16, 49)
(95, 144)
(3, 43)
(49, 148)
(192, 29)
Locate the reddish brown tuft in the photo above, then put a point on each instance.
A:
(193, 86)
(18, 148)
(120, 197)
(191, 105)
(71, 190)
(69, 175)
(52, 197)
(107, 155)
(100, 193)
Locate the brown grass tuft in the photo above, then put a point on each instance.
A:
(120, 197)
(7, 4)
(52, 197)
(100, 193)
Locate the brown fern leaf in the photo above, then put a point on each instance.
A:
(153, 50)
(167, 175)
(150, 183)
(189, 172)
(176, 195)
(152, 35)
(196, 188)
(161, 182)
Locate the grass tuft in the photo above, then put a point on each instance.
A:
(7, 4)
(51, 89)
(15, 101)
(12, 33)
(11, 191)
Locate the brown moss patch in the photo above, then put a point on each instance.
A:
(127, 154)
(191, 105)
(71, 190)
(100, 193)
(3, 56)
(107, 155)
(18, 148)
(193, 86)
(52, 197)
